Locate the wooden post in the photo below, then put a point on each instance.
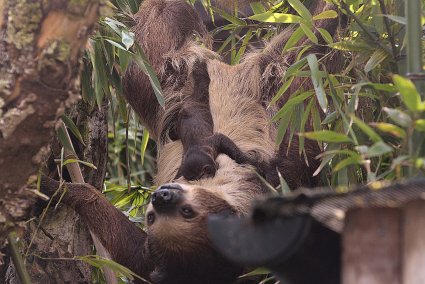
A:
(413, 245)
(371, 246)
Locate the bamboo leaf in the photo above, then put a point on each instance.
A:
(327, 136)
(270, 17)
(316, 78)
(367, 129)
(409, 95)
(142, 61)
(398, 116)
(127, 38)
(326, 35)
(283, 126)
(378, 149)
(70, 161)
(257, 8)
(345, 163)
(377, 57)
(390, 129)
(144, 144)
(74, 129)
(397, 19)
(229, 17)
(290, 104)
(296, 36)
(328, 14)
(301, 10)
(420, 125)
(309, 33)
(63, 138)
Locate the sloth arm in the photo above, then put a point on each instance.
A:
(225, 145)
(121, 238)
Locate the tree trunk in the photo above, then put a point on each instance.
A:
(40, 49)
(61, 235)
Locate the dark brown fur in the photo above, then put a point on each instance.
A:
(195, 129)
(175, 248)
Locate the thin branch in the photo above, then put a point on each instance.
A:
(17, 259)
(387, 26)
(76, 175)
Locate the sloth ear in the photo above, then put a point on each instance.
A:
(124, 241)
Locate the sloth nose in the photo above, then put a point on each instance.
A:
(166, 197)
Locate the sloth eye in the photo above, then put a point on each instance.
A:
(187, 212)
(151, 218)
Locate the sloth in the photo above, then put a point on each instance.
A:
(175, 246)
(195, 130)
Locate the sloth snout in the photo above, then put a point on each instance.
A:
(166, 197)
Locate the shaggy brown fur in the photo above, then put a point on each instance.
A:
(195, 129)
(176, 247)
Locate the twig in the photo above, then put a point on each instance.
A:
(76, 175)
(17, 259)
(387, 26)
(127, 151)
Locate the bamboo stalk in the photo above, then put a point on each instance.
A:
(414, 37)
(415, 71)
(20, 267)
(77, 177)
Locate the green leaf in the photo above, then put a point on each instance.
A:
(270, 17)
(301, 10)
(311, 36)
(366, 129)
(142, 61)
(390, 129)
(377, 86)
(70, 161)
(63, 138)
(127, 38)
(245, 43)
(326, 35)
(398, 116)
(378, 149)
(327, 136)
(345, 163)
(116, 44)
(350, 45)
(74, 129)
(328, 14)
(296, 36)
(420, 125)
(377, 57)
(283, 125)
(294, 68)
(397, 19)
(229, 17)
(144, 144)
(257, 8)
(290, 104)
(281, 91)
(330, 118)
(316, 78)
(409, 94)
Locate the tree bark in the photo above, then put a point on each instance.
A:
(40, 49)
(61, 235)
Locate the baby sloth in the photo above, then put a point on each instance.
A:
(195, 128)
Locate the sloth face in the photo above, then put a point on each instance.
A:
(176, 218)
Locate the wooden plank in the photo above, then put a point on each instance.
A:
(371, 246)
(413, 266)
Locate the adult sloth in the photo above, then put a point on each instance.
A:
(175, 247)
